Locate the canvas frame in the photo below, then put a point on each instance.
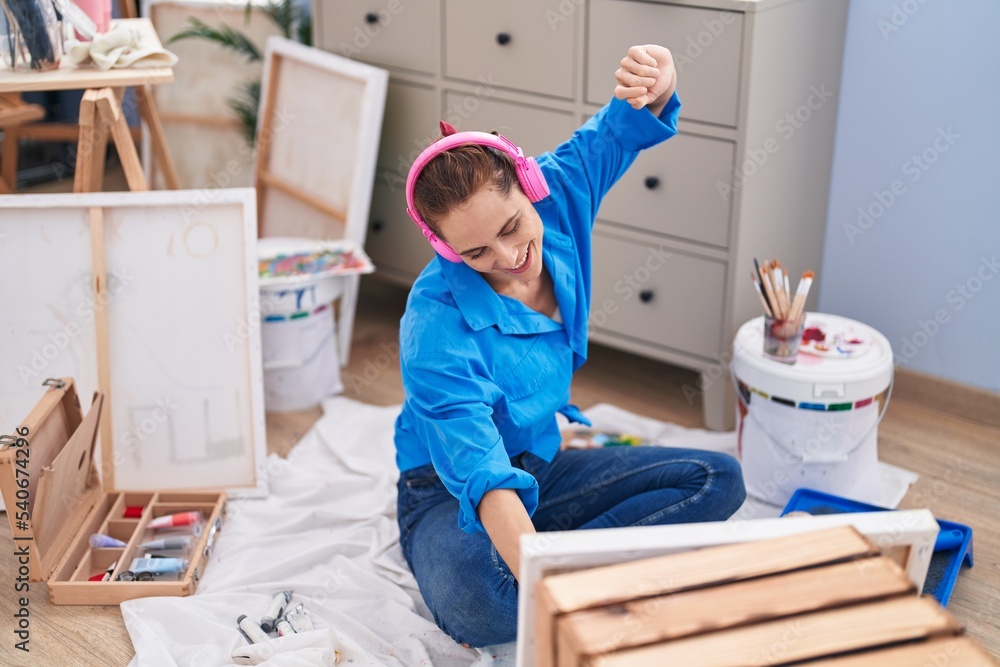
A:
(318, 133)
(62, 253)
(906, 534)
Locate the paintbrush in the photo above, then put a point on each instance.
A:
(801, 292)
(30, 18)
(77, 18)
(760, 293)
(778, 284)
(760, 279)
(772, 296)
(781, 287)
(788, 293)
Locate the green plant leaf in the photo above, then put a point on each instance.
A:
(245, 107)
(305, 30)
(283, 13)
(225, 37)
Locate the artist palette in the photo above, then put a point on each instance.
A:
(55, 502)
(298, 276)
(834, 339)
(291, 260)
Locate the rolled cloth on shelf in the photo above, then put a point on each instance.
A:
(122, 46)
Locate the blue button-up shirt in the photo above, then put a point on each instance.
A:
(484, 374)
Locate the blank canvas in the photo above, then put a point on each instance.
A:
(185, 363)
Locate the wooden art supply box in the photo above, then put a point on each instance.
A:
(55, 502)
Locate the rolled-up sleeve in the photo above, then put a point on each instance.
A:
(453, 414)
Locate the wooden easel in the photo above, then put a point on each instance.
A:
(101, 114)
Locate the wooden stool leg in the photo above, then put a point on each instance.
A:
(9, 156)
(91, 147)
(110, 112)
(149, 113)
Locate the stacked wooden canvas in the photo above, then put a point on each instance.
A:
(820, 598)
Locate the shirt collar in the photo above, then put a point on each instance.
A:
(482, 307)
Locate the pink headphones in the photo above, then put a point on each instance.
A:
(529, 175)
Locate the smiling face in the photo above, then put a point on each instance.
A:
(498, 235)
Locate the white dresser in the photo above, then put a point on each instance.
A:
(747, 176)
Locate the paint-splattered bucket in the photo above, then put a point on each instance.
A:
(299, 281)
(813, 424)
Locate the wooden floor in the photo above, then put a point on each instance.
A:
(958, 461)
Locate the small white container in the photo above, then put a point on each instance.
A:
(813, 424)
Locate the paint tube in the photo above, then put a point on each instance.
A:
(173, 543)
(273, 613)
(158, 565)
(299, 619)
(175, 520)
(285, 628)
(101, 541)
(253, 632)
(106, 575)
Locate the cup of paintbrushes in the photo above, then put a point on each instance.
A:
(31, 38)
(782, 338)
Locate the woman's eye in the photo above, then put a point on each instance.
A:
(477, 255)
(513, 229)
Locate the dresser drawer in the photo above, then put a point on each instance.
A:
(534, 129)
(672, 189)
(394, 243)
(705, 43)
(393, 33)
(510, 43)
(411, 124)
(657, 295)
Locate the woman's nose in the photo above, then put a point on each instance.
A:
(511, 256)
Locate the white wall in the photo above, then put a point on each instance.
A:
(918, 150)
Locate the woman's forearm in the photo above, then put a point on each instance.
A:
(505, 519)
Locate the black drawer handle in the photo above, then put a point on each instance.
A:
(652, 182)
(646, 295)
(377, 226)
(503, 38)
(371, 18)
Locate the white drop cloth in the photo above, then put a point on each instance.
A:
(328, 532)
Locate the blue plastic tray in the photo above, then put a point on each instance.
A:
(952, 548)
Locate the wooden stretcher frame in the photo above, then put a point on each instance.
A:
(209, 148)
(308, 184)
(907, 535)
(228, 216)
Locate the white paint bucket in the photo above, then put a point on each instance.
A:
(813, 424)
(298, 327)
(301, 364)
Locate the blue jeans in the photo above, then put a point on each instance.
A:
(466, 584)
